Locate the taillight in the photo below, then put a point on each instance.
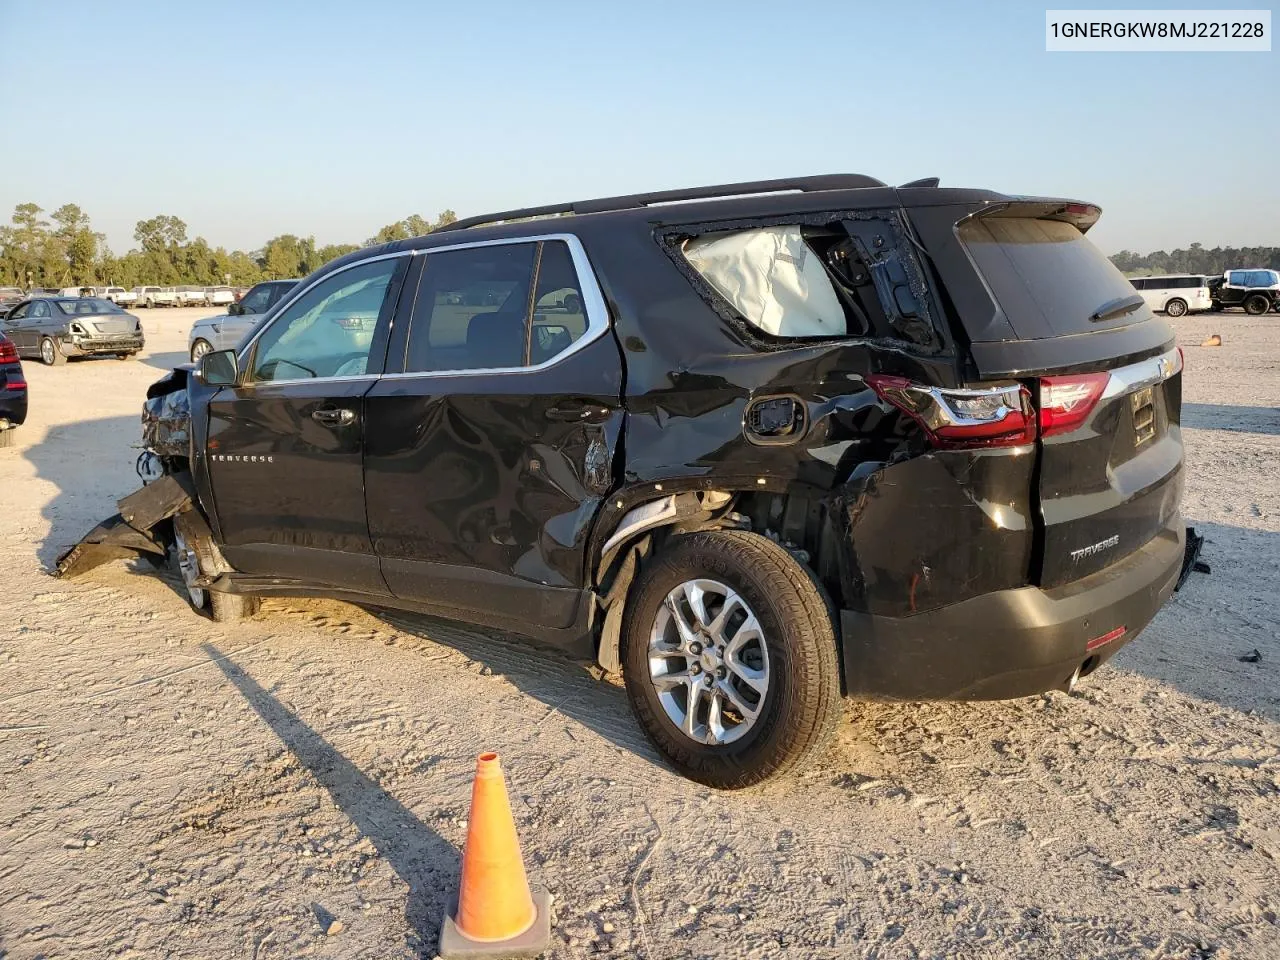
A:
(16, 385)
(1066, 402)
(995, 416)
(8, 352)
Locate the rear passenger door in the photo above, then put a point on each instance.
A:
(490, 441)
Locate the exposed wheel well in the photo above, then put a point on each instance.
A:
(803, 525)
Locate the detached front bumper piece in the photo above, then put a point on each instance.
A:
(130, 532)
(1011, 643)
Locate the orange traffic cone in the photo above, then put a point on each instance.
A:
(496, 914)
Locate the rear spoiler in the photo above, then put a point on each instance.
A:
(1080, 215)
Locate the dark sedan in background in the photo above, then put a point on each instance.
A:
(13, 390)
(55, 328)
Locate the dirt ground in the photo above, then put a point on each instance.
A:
(173, 788)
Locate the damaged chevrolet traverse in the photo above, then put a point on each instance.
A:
(753, 447)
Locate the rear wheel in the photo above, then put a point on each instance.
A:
(50, 354)
(199, 349)
(1257, 305)
(1176, 308)
(730, 658)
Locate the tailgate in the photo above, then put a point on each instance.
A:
(1041, 304)
(1112, 480)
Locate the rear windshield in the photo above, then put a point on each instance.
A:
(87, 306)
(1047, 277)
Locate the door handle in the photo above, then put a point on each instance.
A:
(578, 413)
(334, 417)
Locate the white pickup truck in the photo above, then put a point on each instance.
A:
(156, 297)
(220, 296)
(191, 297)
(119, 296)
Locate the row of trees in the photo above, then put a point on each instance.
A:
(65, 251)
(1196, 259)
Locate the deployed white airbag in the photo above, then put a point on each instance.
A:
(772, 278)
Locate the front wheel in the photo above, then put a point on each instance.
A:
(729, 655)
(199, 349)
(1256, 306)
(1176, 308)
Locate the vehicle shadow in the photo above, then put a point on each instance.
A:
(1234, 419)
(1198, 639)
(89, 464)
(570, 689)
(165, 361)
(427, 863)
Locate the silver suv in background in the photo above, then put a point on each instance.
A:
(1175, 294)
(225, 331)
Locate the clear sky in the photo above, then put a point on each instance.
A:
(252, 119)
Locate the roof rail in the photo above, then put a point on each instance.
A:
(831, 181)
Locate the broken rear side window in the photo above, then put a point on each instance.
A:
(842, 278)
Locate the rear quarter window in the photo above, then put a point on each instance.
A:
(836, 275)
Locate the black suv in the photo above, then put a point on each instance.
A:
(754, 449)
(1256, 291)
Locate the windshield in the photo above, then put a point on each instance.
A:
(1047, 277)
(87, 306)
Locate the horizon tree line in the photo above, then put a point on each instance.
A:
(64, 250)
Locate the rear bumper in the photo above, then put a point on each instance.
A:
(88, 347)
(13, 406)
(1011, 643)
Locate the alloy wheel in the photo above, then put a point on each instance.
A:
(47, 355)
(189, 567)
(708, 662)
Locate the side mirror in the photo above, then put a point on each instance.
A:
(220, 368)
(234, 309)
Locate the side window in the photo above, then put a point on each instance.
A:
(21, 312)
(327, 332)
(1139, 283)
(1234, 277)
(472, 309)
(559, 317)
(275, 293)
(39, 310)
(255, 301)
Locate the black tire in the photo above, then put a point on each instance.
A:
(1257, 305)
(1176, 308)
(801, 704)
(50, 354)
(196, 353)
(231, 607)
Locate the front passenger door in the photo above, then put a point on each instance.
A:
(285, 446)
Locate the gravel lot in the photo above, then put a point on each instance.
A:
(172, 788)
